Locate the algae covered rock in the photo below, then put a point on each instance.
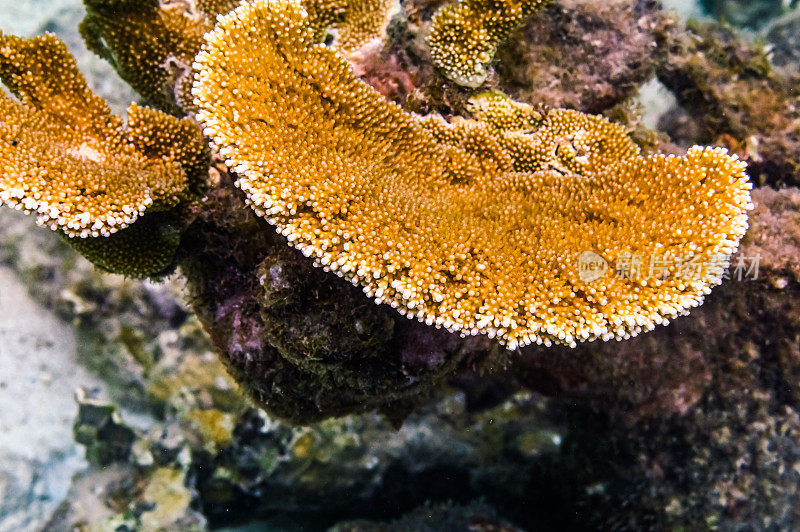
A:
(588, 56)
(737, 99)
(307, 345)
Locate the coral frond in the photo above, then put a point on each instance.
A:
(152, 44)
(467, 226)
(73, 164)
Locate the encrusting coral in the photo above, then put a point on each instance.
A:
(152, 43)
(465, 35)
(73, 164)
(466, 225)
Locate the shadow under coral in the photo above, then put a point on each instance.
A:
(307, 344)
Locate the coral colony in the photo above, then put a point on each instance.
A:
(116, 192)
(465, 35)
(470, 224)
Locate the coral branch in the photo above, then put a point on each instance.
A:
(152, 43)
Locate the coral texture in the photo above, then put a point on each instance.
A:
(668, 371)
(74, 165)
(151, 44)
(351, 23)
(465, 225)
(465, 35)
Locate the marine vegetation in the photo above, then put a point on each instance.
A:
(475, 226)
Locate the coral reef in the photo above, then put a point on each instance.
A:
(350, 24)
(720, 450)
(693, 425)
(578, 55)
(667, 371)
(731, 460)
(438, 219)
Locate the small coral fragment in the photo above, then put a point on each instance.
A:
(152, 43)
(464, 225)
(465, 35)
(500, 111)
(74, 165)
(353, 23)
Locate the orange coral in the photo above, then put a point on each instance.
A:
(475, 226)
(72, 163)
(354, 23)
(152, 44)
(498, 110)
